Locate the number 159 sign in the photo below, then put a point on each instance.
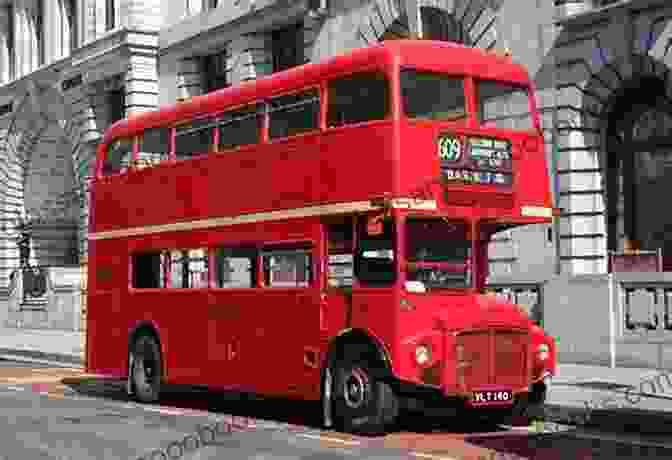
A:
(449, 149)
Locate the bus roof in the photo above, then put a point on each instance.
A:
(462, 60)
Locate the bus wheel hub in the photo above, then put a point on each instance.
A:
(356, 385)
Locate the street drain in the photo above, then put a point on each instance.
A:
(601, 385)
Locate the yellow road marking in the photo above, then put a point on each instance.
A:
(325, 438)
(431, 457)
(32, 379)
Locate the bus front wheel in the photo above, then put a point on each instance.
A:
(362, 403)
(146, 370)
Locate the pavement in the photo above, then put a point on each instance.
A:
(624, 399)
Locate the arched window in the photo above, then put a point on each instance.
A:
(438, 24)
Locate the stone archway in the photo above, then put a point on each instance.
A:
(471, 22)
(46, 145)
(612, 161)
(638, 146)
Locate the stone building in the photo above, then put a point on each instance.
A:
(601, 70)
(68, 69)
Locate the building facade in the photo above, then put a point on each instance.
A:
(68, 68)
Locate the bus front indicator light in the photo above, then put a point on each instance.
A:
(543, 352)
(423, 355)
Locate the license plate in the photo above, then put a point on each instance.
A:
(491, 397)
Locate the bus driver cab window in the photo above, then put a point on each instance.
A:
(376, 256)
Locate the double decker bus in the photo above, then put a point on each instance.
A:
(322, 234)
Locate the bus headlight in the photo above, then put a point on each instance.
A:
(423, 354)
(543, 351)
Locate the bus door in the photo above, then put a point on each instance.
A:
(336, 302)
(286, 328)
(232, 300)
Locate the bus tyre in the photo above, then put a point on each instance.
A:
(362, 403)
(146, 369)
(529, 408)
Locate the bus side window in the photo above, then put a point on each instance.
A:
(118, 157)
(287, 268)
(154, 146)
(358, 98)
(340, 241)
(146, 269)
(235, 268)
(193, 139)
(294, 114)
(240, 127)
(184, 268)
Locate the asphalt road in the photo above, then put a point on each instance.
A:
(56, 413)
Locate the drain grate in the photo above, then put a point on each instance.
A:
(601, 385)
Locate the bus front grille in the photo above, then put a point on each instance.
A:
(492, 357)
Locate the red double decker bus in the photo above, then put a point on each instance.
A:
(322, 234)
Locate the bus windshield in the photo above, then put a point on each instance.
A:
(432, 96)
(438, 253)
(503, 105)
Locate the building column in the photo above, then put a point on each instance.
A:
(4, 50)
(250, 58)
(52, 31)
(142, 14)
(11, 184)
(141, 84)
(189, 78)
(85, 135)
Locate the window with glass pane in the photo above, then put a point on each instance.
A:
(438, 253)
(358, 98)
(375, 258)
(240, 127)
(287, 268)
(154, 146)
(235, 268)
(503, 105)
(118, 156)
(146, 270)
(193, 139)
(185, 268)
(294, 114)
(432, 96)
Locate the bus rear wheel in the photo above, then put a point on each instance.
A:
(362, 403)
(146, 369)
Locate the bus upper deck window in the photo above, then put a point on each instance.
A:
(193, 139)
(503, 105)
(432, 95)
(154, 146)
(294, 114)
(240, 127)
(118, 156)
(358, 98)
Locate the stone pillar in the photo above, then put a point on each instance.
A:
(100, 18)
(193, 8)
(4, 50)
(52, 31)
(11, 185)
(22, 41)
(250, 58)
(142, 14)
(311, 31)
(85, 137)
(142, 84)
(189, 78)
